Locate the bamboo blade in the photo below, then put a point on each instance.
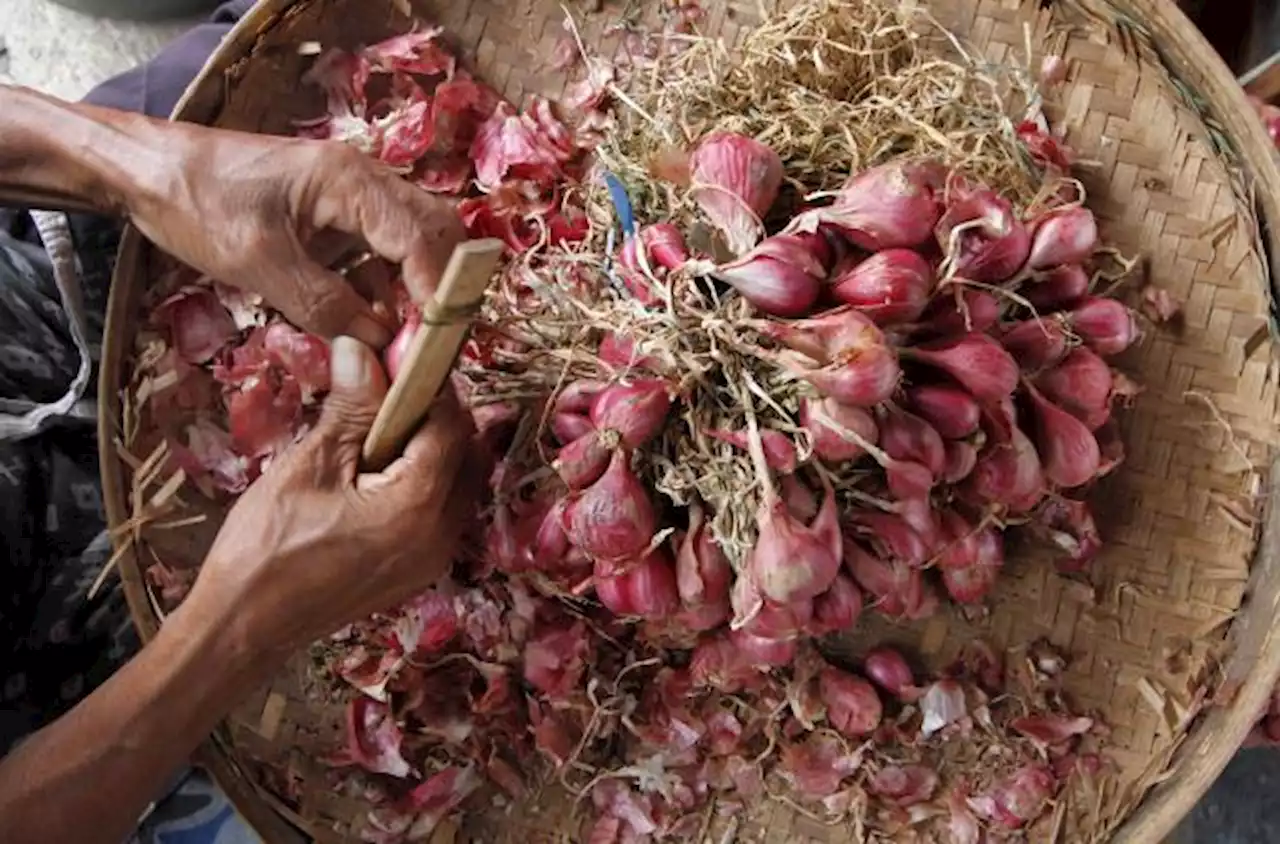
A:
(431, 354)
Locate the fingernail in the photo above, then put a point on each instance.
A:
(350, 364)
(369, 331)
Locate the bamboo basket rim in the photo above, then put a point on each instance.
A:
(1193, 67)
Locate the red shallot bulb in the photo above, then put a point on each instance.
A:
(620, 352)
(960, 548)
(837, 609)
(1067, 449)
(1062, 236)
(837, 431)
(665, 244)
(1060, 287)
(890, 287)
(861, 379)
(1105, 325)
(892, 205)
(763, 653)
(981, 235)
(800, 499)
(976, 361)
(827, 337)
(735, 181)
(970, 584)
(782, 275)
(1069, 525)
(551, 545)
(1009, 474)
(958, 310)
(962, 456)
(1035, 343)
(779, 451)
(703, 573)
(891, 537)
(613, 518)
(952, 412)
(905, 436)
(578, 396)
(792, 561)
(1048, 151)
(636, 411)
(393, 357)
(569, 427)
(644, 587)
(581, 463)
(889, 670)
(780, 623)
(1081, 385)
(898, 589)
(853, 707)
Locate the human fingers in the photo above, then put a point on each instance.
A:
(435, 452)
(357, 390)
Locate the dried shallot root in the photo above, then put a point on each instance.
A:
(772, 402)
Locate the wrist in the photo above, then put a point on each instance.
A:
(222, 631)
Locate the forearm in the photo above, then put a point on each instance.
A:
(89, 776)
(69, 156)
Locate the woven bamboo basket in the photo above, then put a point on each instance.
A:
(1173, 646)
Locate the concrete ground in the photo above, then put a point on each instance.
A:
(66, 53)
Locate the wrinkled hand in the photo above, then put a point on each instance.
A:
(246, 209)
(315, 544)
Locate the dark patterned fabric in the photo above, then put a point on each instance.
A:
(57, 643)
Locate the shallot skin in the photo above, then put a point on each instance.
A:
(736, 180)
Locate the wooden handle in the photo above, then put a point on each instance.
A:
(430, 356)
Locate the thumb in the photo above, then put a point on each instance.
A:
(358, 387)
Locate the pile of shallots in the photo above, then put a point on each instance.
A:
(717, 438)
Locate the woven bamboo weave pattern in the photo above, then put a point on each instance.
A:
(1161, 609)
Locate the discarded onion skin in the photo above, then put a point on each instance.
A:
(905, 436)
(835, 429)
(613, 518)
(837, 609)
(1009, 474)
(892, 205)
(959, 310)
(1062, 236)
(981, 235)
(853, 707)
(1068, 452)
(1035, 343)
(703, 573)
(976, 361)
(889, 670)
(1021, 797)
(951, 411)
(792, 561)
(890, 287)
(780, 276)
(1105, 325)
(717, 662)
(636, 411)
(1060, 287)
(1081, 385)
(1069, 525)
(735, 181)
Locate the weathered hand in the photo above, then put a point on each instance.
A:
(245, 209)
(315, 544)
